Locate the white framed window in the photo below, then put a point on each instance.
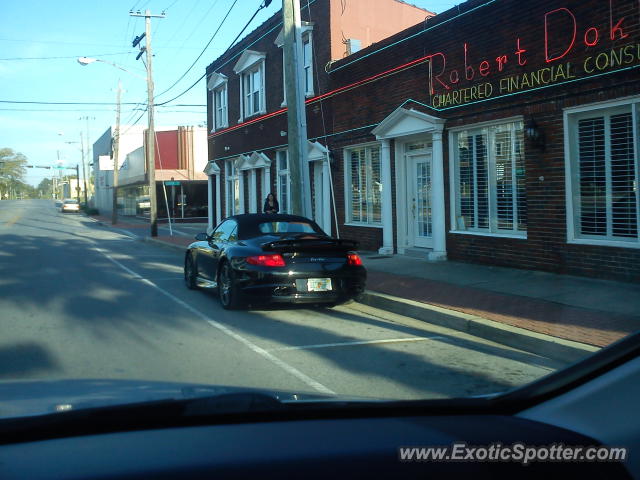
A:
(306, 60)
(363, 185)
(217, 85)
(307, 63)
(250, 70)
(602, 143)
(232, 188)
(221, 115)
(253, 91)
(283, 181)
(489, 179)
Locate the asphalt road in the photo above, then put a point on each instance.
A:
(80, 301)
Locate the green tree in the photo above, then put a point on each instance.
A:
(12, 172)
(45, 188)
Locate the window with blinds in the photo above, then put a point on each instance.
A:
(490, 180)
(605, 173)
(363, 185)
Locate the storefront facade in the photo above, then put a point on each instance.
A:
(508, 137)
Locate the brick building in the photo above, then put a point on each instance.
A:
(180, 158)
(489, 133)
(247, 108)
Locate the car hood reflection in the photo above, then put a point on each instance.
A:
(40, 397)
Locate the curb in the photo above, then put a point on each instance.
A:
(508, 335)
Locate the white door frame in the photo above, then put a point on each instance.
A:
(406, 125)
(213, 170)
(318, 157)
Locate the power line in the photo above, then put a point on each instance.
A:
(56, 58)
(33, 102)
(185, 19)
(203, 50)
(172, 4)
(49, 42)
(25, 102)
(264, 4)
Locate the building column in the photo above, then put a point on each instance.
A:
(241, 186)
(266, 181)
(210, 202)
(326, 196)
(387, 203)
(437, 198)
(253, 194)
(218, 201)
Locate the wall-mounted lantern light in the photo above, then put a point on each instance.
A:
(533, 133)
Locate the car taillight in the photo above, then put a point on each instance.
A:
(275, 260)
(354, 259)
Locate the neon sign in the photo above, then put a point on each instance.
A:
(478, 80)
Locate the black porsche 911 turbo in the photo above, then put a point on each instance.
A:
(269, 258)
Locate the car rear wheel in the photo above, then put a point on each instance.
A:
(190, 273)
(227, 289)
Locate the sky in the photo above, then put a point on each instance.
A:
(48, 100)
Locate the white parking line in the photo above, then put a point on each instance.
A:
(155, 279)
(248, 343)
(358, 342)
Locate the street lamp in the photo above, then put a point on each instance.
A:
(153, 213)
(84, 61)
(116, 144)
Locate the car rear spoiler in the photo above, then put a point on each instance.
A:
(287, 245)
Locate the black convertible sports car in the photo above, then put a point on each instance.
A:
(257, 258)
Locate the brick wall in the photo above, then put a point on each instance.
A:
(488, 32)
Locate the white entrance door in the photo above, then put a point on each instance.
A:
(419, 201)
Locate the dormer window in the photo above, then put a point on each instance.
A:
(250, 69)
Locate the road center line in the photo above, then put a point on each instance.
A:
(248, 343)
(359, 342)
(13, 219)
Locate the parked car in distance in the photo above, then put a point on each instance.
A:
(58, 203)
(258, 258)
(70, 205)
(143, 204)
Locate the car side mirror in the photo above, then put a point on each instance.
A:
(202, 237)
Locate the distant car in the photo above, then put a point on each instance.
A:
(143, 204)
(70, 205)
(58, 203)
(256, 258)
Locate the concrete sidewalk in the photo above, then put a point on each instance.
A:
(560, 315)
(590, 311)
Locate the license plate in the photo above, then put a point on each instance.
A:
(318, 284)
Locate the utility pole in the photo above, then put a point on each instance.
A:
(151, 134)
(89, 160)
(296, 110)
(116, 150)
(77, 181)
(84, 172)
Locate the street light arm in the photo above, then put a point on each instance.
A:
(84, 61)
